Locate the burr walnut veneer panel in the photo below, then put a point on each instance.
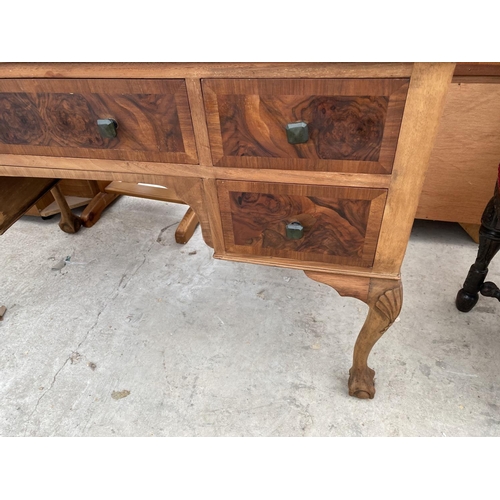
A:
(353, 124)
(59, 118)
(341, 225)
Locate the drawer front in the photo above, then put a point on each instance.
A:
(352, 124)
(340, 225)
(59, 118)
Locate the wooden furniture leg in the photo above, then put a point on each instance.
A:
(112, 190)
(489, 245)
(93, 211)
(69, 222)
(78, 193)
(186, 227)
(384, 298)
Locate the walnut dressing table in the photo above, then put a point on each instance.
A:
(315, 167)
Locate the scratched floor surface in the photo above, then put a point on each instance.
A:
(119, 331)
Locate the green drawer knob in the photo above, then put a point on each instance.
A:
(107, 127)
(294, 231)
(297, 133)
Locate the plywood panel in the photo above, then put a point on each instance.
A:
(464, 161)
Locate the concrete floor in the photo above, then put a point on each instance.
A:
(139, 336)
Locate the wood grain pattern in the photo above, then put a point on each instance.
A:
(211, 202)
(158, 193)
(205, 70)
(303, 265)
(260, 219)
(464, 161)
(59, 118)
(195, 95)
(85, 168)
(477, 69)
(17, 195)
(476, 79)
(353, 124)
(341, 127)
(80, 188)
(186, 227)
(346, 286)
(424, 105)
(340, 224)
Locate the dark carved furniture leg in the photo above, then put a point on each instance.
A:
(384, 298)
(489, 245)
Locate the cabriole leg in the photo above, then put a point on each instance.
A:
(384, 298)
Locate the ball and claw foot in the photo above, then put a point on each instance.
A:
(362, 383)
(384, 298)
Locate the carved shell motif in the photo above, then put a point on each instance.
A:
(389, 304)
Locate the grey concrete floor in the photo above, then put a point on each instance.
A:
(140, 336)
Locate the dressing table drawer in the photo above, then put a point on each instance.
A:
(342, 125)
(325, 224)
(142, 120)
